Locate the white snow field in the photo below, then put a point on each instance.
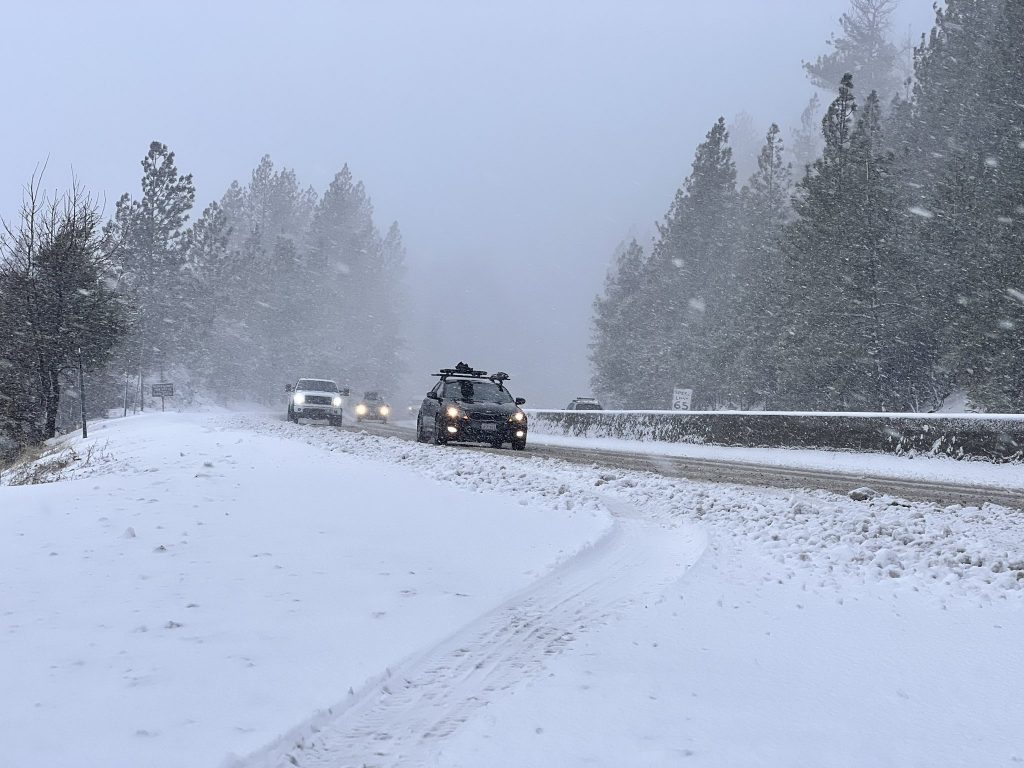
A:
(299, 595)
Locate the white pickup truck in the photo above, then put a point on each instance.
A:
(315, 399)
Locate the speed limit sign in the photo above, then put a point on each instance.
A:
(682, 399)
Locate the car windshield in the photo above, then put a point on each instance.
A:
(317, 385)
(476, 392)
(372, 396)
(589, 406)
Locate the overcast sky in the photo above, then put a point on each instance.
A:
(516, 143)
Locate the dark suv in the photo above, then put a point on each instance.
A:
(469, 406)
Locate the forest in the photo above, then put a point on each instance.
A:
(272, 279)
(874, 265)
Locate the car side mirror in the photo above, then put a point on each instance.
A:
(345, 392)
(520, 401)
(288, 387)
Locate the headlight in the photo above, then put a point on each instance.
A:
(384, 410)
(519, 416)
(299, 398)
(336, 402)
(453, 412)
(361, 409)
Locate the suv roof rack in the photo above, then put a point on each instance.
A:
(462, 369)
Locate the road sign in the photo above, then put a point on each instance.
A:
(163, 390)
(682, 399)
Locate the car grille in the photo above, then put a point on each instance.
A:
(485, 416)
(318, 400)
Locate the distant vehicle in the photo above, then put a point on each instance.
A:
(315, 399)
(372, 407)
(584, 404)
(470, 406)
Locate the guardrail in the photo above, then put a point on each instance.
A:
(993, 437)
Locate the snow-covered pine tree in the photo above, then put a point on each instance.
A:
(814, 250)
(964, 170)
(752, 359)
(806, 144)
(745, 140)
(353, 294)
(863, 50)
(691, 273)
(149, 236)
(616, 336)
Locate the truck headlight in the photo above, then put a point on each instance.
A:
(336, 402)
(384, 410)
(299, 398)
(361, 409)
(519, 416)
(453, 412)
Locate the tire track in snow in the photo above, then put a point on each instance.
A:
(403, 718)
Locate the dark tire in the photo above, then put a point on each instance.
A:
(292, 417)
(419, 432)
(334, 422)
(437, 436)
(519, 445)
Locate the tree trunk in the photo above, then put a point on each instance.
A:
(51, 402)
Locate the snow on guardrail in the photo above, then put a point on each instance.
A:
(993, 437)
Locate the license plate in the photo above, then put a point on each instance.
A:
(489, 427)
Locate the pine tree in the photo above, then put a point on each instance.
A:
(863, 49)
(764, 203)
(745, 141)
(150, 237)
(616, 336)
(806, 145)
(813, 267)
(210, 290)
(691, 277)
(963, 166)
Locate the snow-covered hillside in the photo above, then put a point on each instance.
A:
(233, 590)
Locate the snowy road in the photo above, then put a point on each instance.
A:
(722, 469)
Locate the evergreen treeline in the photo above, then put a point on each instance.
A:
(270, 283)
(889, 276)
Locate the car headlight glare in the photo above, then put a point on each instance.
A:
(361, 409)
(453, 412)
(336, 402)
(384, 410)
(299, 398)
(519, 416)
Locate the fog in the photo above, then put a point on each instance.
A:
(516, 144)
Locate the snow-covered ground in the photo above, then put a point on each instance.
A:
(943, 469)
(233, 590)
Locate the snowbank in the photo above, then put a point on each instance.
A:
(994, 437)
